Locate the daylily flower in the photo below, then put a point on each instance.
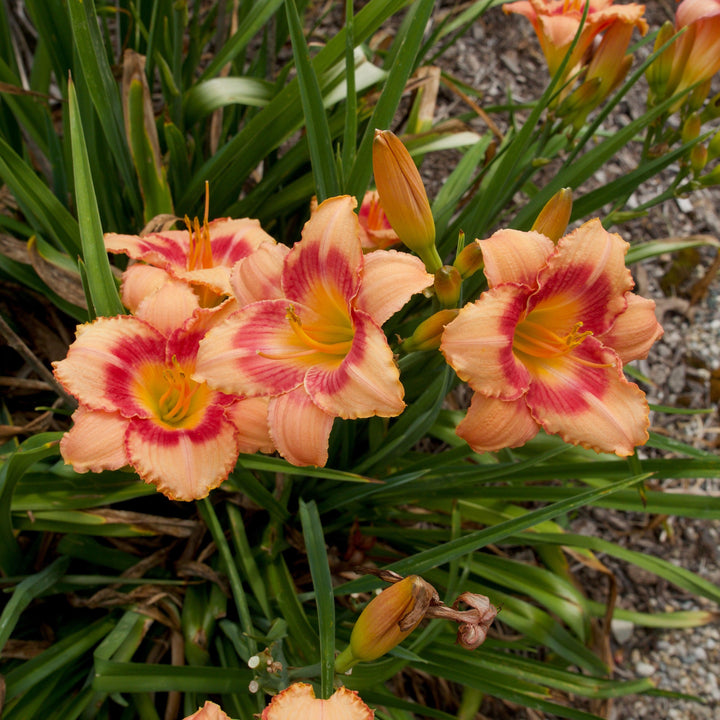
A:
(209, 711)
(318, 351)
(139, 406)
(298, 702)
(556, 22)
(545, 345)
(200, 257)
(375, 229)
(696, 55)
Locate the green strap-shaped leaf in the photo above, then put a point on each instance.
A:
(103, 293)
(31, 451)
(324, 598)
(103, 89)
(324, 169)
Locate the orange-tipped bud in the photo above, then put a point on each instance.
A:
(555, 216)
(386, 621)
(403, 197)
(658, 72)
(469, 260)
(429, 332)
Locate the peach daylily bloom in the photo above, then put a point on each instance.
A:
(138, 406)
(696, 56)
(556, 22)
(318, 351)
(544, 346)
(209, 711)
(298, 702)
(201, 257)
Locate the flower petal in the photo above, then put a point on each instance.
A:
(390, 278)
(492, 424)
(184, 463)
(634, 331)
(96, 441)
(256, 352)
(298, 702)
(169, 306)
(139, 281)
(299, 428)
(512, 256)
(584, 397)
(323, 269)
(233, 239)
(165, 250)
(257, 277)
(250, 417)
(366, 383)
(209, 711)
(478, 343)
(584, 280)
(102, 365)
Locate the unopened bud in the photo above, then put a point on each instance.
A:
(555, 216)
(469, 260)
(714, 146)
(658, 72)
(697, 97)
(581, 100)
(698, 158)
(428, 333)
(712, 178)
(403, 197)
(386, 621)
(711, 111)
(691, 128)
(448, 282)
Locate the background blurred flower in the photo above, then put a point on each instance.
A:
(696, 55)
(556, 23)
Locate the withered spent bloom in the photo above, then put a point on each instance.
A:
(393, 614)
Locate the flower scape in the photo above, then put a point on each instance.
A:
(320, 452)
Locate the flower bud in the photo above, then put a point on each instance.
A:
(714, 146)
(469, 260)
(658, 72)
(428, 333)
(712, 178)
(697, 97)
(691, 128)
(447, 286)
(403, 197)
(386, 621)
(555, 216)
(698, 158)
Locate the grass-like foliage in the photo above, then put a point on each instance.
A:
(264, 435)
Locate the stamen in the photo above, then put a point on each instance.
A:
(174, 403)
(200, 249)
(337, 348)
